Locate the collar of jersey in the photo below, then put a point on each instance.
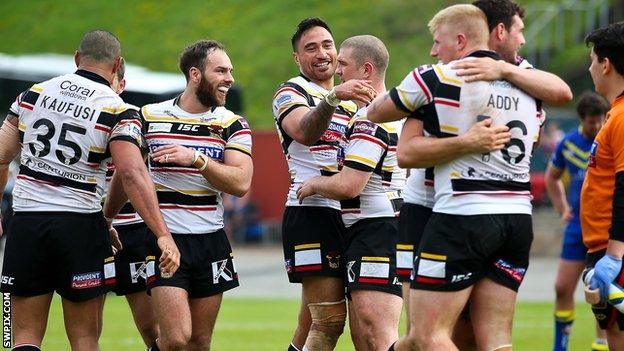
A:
(322, 90)
(484, 53)
(92, 76)
(176, 104)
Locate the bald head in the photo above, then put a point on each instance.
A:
(100, 46)
(368, 48)
(463, 18)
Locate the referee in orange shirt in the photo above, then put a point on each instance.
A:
(602, 196)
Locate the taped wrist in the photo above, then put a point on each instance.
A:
(9, 143)
(617, 220)
(331, 98)
(328, 321)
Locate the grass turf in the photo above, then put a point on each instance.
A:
(267, 324)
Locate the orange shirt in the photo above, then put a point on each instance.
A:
(605, 160)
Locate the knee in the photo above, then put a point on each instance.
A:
(148, 332)
(562, 289)
(200, 342)
(328, 321)
(176, 342)
(424, 340)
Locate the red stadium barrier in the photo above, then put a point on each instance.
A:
(270, 181)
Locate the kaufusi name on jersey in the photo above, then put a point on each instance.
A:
(67, 108)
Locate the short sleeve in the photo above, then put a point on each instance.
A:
(237, 136)
(126, 124)
(415, 90)
(557, 157)
(287, 98)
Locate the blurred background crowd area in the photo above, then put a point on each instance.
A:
(39, 37)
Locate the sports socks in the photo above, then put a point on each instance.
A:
(600, 345)
(563, 327)
(154, 347)
(26, 348)
(292, 347)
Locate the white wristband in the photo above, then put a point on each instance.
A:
(195, 157)
(331, 98)
(201, 169)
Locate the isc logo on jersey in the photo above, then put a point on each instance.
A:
(189, 127)
(7, 280)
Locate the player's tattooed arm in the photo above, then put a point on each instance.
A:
(314, 123)
(383, 109)
(306, 125)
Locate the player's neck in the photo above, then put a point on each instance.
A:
(470, 49)
(189, 103)
(100, 71)
(614, 87)
(325, 84)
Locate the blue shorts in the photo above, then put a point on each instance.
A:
(573, 248)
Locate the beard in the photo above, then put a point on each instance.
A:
(207, 95)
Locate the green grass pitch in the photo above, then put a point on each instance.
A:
(267, 324)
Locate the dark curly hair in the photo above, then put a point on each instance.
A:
(591, 104)
(499, 11)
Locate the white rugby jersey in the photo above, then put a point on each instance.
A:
(372, 148)
(326, 155)
(65, 125)
(475, 184)
(188, 202)
(127, 214)
(419, 189)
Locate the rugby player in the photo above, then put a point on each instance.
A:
(571, 155)
(58, 240)
(602, 195)
(369, 187)
(311, 116)
(199, 150)
(130, 264)
(471, 191)
(506, 38)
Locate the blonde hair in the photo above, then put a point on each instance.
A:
(463, 18)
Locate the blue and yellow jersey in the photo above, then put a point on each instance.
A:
(571, 155)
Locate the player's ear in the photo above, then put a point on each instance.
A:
(77, 58)
(122, 85)
(462, 41)
(116, 65)
(500, 30)
(368, 69)
(194, 75)
(607, 66)
(296, 57)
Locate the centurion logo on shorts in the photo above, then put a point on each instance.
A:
(6, 320)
